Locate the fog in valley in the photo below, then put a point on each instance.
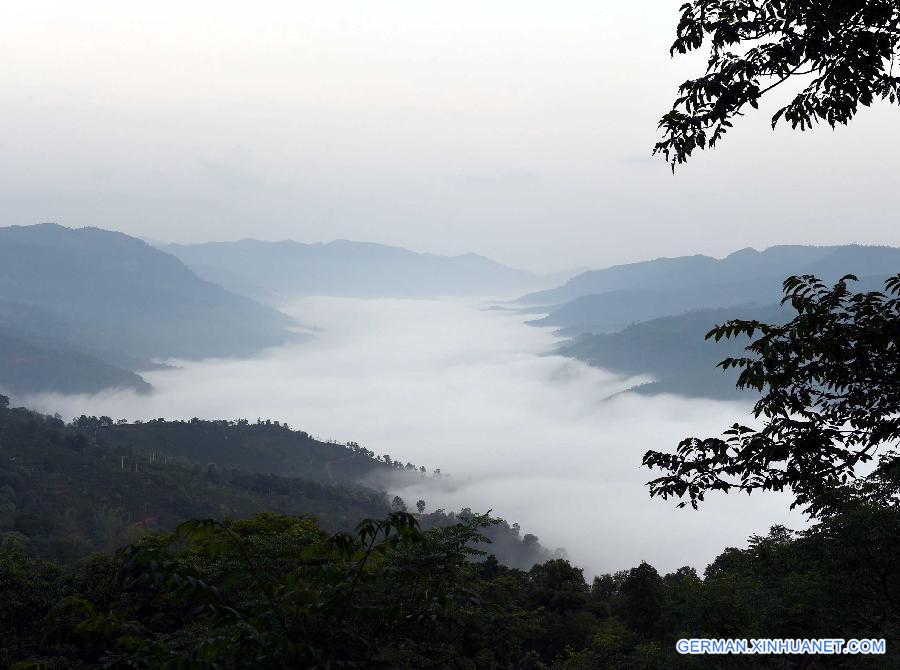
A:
(545, 441)
(335, 334)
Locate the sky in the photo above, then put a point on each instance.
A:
(535, 438)
(514, 128)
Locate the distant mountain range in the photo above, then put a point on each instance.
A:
(744, 266)
(650, 317)
(80, 309)
(276, 271)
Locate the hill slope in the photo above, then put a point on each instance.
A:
(66, 490)
(29, 366)
(37, 354)
(624, 294)
(673, 350)
(108, 296)
(69, 489)
(691, 272)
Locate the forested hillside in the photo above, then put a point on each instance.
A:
(67, 490)
(93, 484)
(275, 591)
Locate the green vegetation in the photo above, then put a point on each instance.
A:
(67, 490)
(840, 54)
(235, 544)
(829, 381)
(276, 591)
(95, 484)
(254, 581)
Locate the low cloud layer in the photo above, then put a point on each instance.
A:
(534, 437)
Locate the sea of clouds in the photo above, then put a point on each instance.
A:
(539, 439)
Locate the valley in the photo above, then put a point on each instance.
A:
(478, 394)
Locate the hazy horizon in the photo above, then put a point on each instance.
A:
(518, 130)
(559, 274)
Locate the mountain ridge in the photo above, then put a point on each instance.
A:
(92, 294)
(608, 300)
(778, 260)
(346, 268)
(673, 350)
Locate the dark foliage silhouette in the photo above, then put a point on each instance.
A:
(841, 55)
(830, 385)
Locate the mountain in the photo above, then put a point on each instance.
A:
(686, 272)
(651, 318)
(66, 490)
(33, 359)
(27, 366)
(614, 310)
(607, 300)
(674, 352)
(102, 300)
(69, 489)
(274, 271)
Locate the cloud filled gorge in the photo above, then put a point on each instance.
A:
(536, 438)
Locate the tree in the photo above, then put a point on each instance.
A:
(830, 380)
(28, 590)
(4, 402)
(76, 442)
(420, 505)
(397, 504)
(642, 594)
(276, 592)
(842, 52)
(212, 473)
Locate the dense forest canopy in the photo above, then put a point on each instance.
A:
(95, 484)
(277, 591)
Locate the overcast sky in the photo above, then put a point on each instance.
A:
(514, 128)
